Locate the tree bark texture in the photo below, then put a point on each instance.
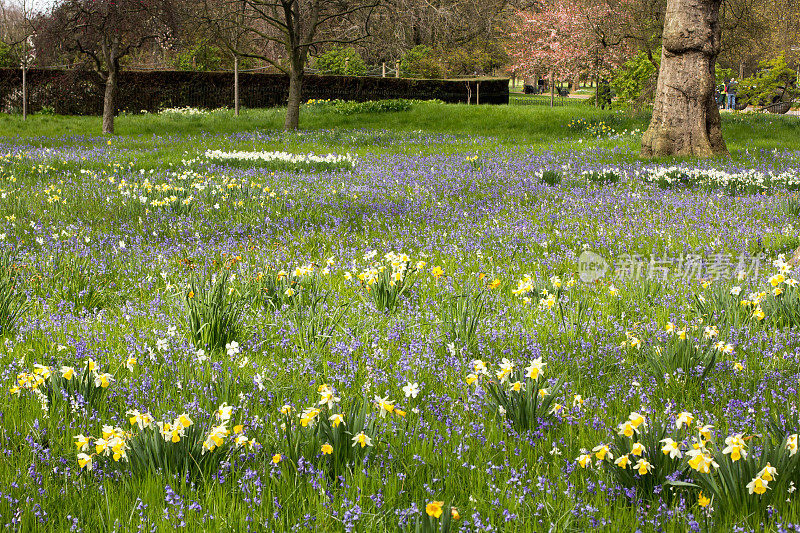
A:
(110, 102)
(292, 121)
(686, 118)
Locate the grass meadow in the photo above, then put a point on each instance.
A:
(386, 322)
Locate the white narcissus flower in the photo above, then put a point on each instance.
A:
(411, 390)
(232, 348)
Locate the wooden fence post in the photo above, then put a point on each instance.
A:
(236, 85)
(25, 90)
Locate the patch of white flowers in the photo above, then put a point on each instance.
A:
(282, 157)
(720, 178)
(184, 111)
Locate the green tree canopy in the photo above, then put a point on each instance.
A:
(341, 60)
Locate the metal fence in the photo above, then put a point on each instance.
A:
(542, 100)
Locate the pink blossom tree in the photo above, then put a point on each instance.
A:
(566, 38)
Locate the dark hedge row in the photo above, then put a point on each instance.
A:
(77, 92)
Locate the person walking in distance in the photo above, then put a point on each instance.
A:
(731, 90)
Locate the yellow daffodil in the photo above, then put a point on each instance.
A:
(671, 448)
(223, 412)
(638, 449)
(585, 460)
(309, 416)
(67, 372)
(326, 449)
(362, 439)
(434, 509)
(684, 418)
(480, 367)
(735, 447)
(85, 461)
(701, 461)
(103, 380)
(791, 444)
(385, 405)
(82, 442)
(622, 461)
(506, 367)
(768, 473)
(636, 419)
(327, 397)
(777, 279)
(535, 368)
(702, 500)
(601, 451)
(643, 467)
(627, 429)
(758, 486)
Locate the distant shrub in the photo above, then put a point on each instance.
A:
(635, 82)
(345, 107)
(8, 57)
(201, 56)
(420, 62)
(775, 82)
(344, 61)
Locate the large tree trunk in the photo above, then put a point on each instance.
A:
(110, 101)
(685, 114)
(292, 121)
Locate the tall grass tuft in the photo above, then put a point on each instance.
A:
(462, 315)
(13, 301)
(213, 311)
